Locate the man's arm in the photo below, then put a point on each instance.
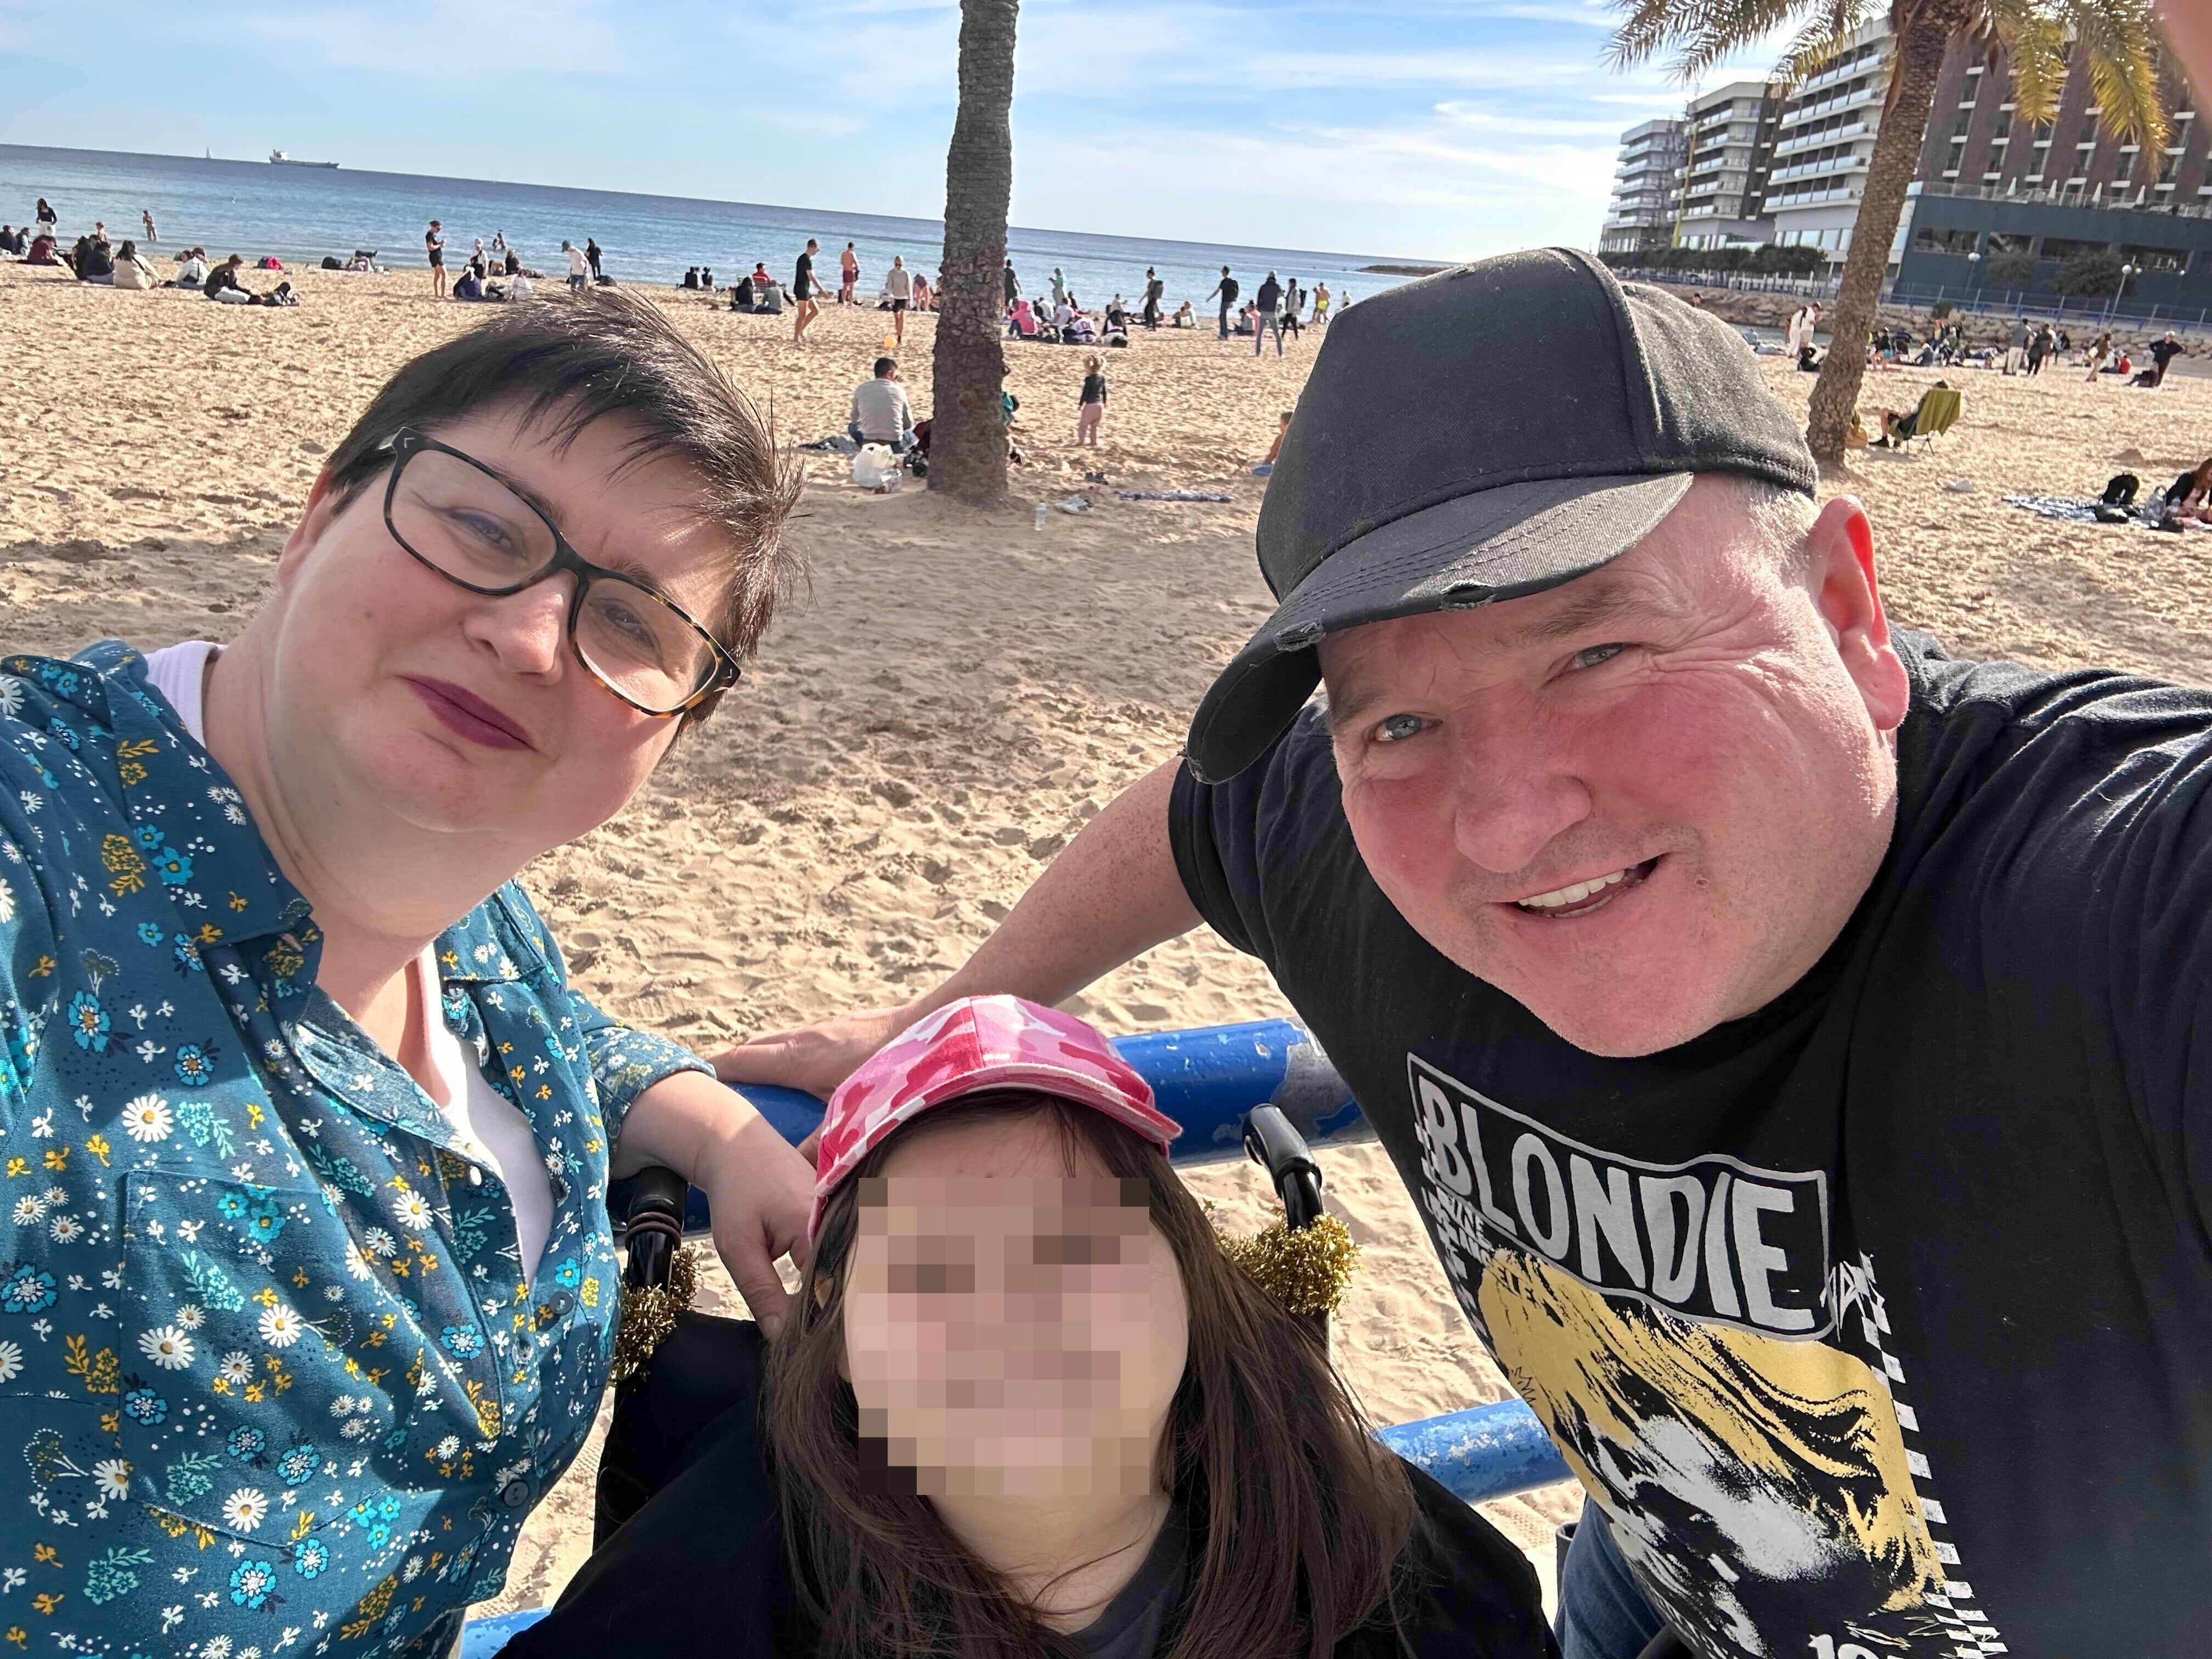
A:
(1111, 895)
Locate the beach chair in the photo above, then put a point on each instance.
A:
(1262, 1090)
(1938, 412)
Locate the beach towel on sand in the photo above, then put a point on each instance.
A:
(1174, 495)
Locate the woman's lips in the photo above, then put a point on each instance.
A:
(466, 714)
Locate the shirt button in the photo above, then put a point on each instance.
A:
(476, 1176)
(560, 1305)
(516, 1494)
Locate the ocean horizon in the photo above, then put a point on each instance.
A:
(300, 214)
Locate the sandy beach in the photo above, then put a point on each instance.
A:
(956, 696)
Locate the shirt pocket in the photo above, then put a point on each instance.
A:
(228, 1411)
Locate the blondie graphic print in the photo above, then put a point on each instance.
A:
(1717, 1380)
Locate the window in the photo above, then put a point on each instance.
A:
(2062, 248)
(1965, 122)
(2155, 258)
(1944, 241)
(2126, 169)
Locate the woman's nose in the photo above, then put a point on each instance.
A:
(526, 631)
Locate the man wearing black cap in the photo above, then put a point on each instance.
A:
(1786, 1032)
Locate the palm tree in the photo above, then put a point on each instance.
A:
(2119, 48)
(967, 435)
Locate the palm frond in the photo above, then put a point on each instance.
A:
(1698, 32)
(1822, 36)
(2034, 44)
(2119, 48)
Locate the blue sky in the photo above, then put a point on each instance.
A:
(1413, 127)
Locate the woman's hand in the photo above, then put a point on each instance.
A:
(758, 1186)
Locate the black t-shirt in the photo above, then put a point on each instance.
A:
(700, 1567)
(2164, 352)
(1879, 1321)
(1230, 290)
(1094, 389)
(802, 282)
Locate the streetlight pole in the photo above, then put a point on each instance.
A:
(1973, 282)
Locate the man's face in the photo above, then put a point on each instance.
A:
(465, 714)
(1643, 802)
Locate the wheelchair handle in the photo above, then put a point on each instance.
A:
(649, 1207)
(1279, 1149)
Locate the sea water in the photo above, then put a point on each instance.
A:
(300, 214)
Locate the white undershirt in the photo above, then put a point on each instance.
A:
(491, 1128)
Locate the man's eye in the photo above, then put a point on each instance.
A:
(1591, 655)
(1396, 728)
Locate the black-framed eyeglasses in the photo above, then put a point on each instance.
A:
(458, 517)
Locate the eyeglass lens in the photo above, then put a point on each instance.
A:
(471, 527)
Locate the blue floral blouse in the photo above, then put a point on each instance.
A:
(271, 1380)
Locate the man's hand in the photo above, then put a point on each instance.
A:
(761, 1189)
(816, 1058)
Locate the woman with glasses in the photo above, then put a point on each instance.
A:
(308, 1286)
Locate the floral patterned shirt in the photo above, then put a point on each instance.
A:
(271, 1379)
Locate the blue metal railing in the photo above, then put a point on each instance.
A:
(1207, 1079)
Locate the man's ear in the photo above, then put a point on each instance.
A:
(321, 509)
(1841, 577)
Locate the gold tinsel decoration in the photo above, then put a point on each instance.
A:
(649, 1314)
(1305, 1268)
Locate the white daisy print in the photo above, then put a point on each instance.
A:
(65, 1230)
(6, 902)
(235, 1368)
(11, 1361)
(215, 1647)
(113, 1476)
(245, 1509)
(167, 1347)
(447, 1449)
(356, 1263)
(280, 1325)
(11, 695)
(149, 1118)
(342, 1407)
(377, 1241)
(413, 1211)
(191, 1315)
(30, 1210)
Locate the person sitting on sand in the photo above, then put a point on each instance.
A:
(383, 1121)
(1282, 431)
(222, 284)
(1184, 316)
(519, 285)
(133, 272)
(880, 413)
(8, 240)
(470, 284)
(1027, 1404)
(92, 261)
(192, 269)
(42, 252)
(2189, 497)
(511, 263)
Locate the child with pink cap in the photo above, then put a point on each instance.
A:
(1025, 1405)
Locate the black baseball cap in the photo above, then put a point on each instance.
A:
(1479, 436)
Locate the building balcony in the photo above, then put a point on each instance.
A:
(1850, 70)
(1818, 169)
(1814, 141)
(1803, 112)
(1796, 198)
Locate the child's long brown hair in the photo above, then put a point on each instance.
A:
(1305, 1519)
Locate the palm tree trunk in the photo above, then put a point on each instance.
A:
(967, 438)
(1889, 170)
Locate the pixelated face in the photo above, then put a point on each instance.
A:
(1011, 1330)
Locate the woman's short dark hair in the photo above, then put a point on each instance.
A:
(565, 363)
(1308, 1525)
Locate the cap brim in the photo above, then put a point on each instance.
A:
(1460, 555)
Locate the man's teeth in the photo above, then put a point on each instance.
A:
(1560, 897)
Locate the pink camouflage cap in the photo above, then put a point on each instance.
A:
(964, 1047)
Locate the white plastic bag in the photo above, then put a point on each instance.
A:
(876, 468)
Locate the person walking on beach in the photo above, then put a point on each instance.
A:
(1090, 405)
(580, 267)
(1294, 302)
(591, 258)
(1227, 290)
(434, 244)
(1059, 286)
(1266, 313)
(1153, 288)
(898, 283)
(1012, 285)
(804, 288)
(1321, 303)
(848, 277)
(146, 215)
(2099, 354)
(1786, 1030)
(2015, 358)
(47, 219)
